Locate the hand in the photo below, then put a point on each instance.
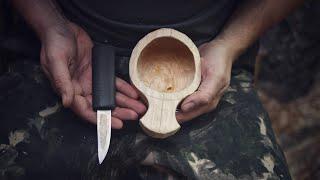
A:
(66, 60)
(216, 64)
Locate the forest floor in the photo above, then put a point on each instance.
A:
(288, 83)
(296, 125)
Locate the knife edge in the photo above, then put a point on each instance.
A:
(103, 133)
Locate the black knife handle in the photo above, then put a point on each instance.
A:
(103, 77)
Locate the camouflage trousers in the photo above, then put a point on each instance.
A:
(41, 140)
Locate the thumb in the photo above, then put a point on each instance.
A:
(61, 80)
(206, 92)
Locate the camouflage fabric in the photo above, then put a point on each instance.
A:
(41, 140)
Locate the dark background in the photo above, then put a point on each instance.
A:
(286, 76)
(288, 83)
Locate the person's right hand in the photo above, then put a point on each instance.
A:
(66, 60)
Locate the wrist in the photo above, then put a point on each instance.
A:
(229, 51)
(60, 29)
(232, 47)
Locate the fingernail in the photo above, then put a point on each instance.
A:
(189, 106)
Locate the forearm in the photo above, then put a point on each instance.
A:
(251, 20)
(43, 15)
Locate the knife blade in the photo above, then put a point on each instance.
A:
(103, 133)
(103, 94)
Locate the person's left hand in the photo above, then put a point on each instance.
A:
(216, 64)
(66, 60)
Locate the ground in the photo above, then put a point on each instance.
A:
(288, 82)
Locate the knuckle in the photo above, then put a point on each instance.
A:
(58, 85)
(205, 99)
(62, 84)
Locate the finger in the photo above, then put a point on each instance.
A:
(186, 116)
(209, 89)
(116, 123)
(127, 102)
(82, 107)
(60, 75)
(78, 90)
(118, 112)
(124, 114)
(126, 89)
(84, 78)
(89, 99)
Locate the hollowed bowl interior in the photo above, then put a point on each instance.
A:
(166, 65)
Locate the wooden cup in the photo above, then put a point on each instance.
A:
(165, 68)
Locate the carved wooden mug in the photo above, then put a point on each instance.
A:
(165, 68)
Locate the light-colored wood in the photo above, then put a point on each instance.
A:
(165, 68)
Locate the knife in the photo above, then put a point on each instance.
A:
(103, 90)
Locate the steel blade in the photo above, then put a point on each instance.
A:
(104, 133)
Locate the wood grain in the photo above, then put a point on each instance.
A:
(165, 68)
